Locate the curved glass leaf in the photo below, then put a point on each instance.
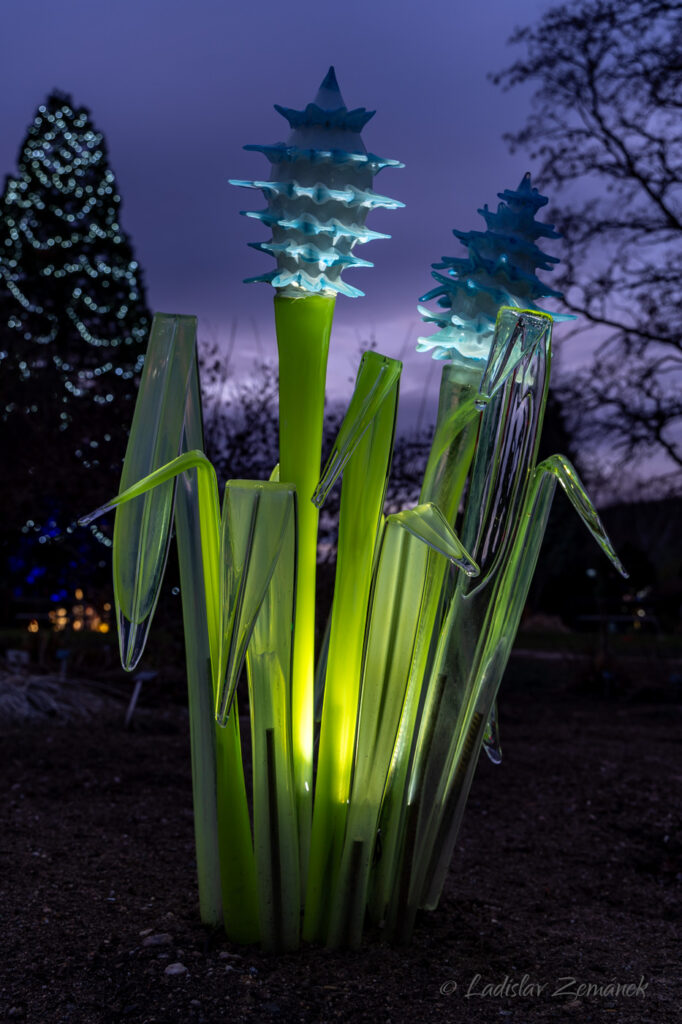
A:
(142, 528)
(427, 523)
(574, 489)
(518, 332)
(254, 526)
(377, 376)
(364, 447)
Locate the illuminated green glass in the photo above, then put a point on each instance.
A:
(259, 572)
(414, 546)
(142, 527)
(402, 696)
(502, 528)
(363, 452)
(167, 420)
(303, 328)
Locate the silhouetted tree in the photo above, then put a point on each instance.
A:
(73, 327)
(606, 130)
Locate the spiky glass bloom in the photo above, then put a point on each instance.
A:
(499, 270)
(319, 195)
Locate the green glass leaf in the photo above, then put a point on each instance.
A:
(574, 489)
(414, 549)
(428, 524)
(501, 477)
(518, 332)
(454, 439)
(377, 376)
(142, 528)
(269, 668)
(364, 447)
(255, 523)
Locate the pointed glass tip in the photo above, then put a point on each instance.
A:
(91, 516)
(329, 95)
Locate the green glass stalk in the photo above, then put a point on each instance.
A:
(303, 328)
(364, 448)
(414, 545)
(198, 660)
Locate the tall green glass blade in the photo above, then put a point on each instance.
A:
(303, 329)
(254, 527)
(377, 378)
(195, 605)
(234, 836)
(454, 440)
(414, 544)
(362, 498)
(509, 606)
(420, 612)
(221, 813)
(500, 479)
(452, 449)
(261, 511)
(142, 528)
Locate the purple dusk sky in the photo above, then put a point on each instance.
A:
(178, 88)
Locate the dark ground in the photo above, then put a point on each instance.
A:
(567, 874)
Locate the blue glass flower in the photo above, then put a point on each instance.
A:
(499, 270)
(319, 195)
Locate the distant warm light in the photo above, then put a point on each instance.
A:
(76, 625)
(33, 626)
(106, 607)
(78, 594)
(103, 627)
(58, 618)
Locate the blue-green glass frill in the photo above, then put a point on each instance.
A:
(319, 196)
(498, 270)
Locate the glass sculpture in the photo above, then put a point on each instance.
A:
(422, 623)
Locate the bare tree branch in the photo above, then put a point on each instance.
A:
(607, 133)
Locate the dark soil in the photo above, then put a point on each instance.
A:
(567, 875)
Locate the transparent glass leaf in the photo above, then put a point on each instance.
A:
(574, 489)
(269, 667)
(414, 549)
(377, 376)
(500, 479)
(518, 332)
(142, 527)
(364, 447)
(254, 525)
(491, 736)
(498, 639)
(429, 525)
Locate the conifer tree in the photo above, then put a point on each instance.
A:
(73, 322)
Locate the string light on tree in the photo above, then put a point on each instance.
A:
(73, 316)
